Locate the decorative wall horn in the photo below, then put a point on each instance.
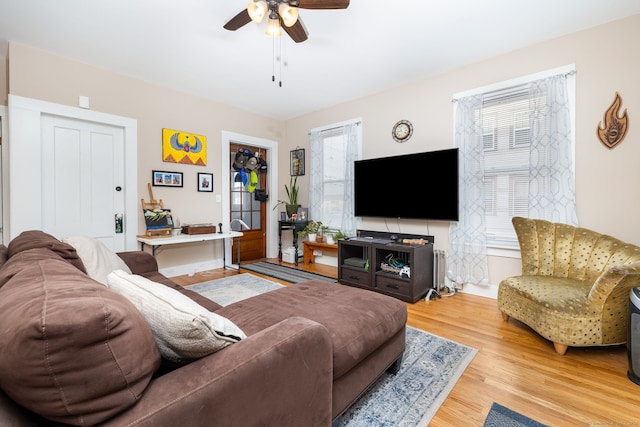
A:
(615, 126)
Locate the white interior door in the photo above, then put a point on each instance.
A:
(82, 179)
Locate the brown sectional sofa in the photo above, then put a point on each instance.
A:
(74, 352)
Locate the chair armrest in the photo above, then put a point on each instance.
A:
(619, 280)
(139, 262)
(279, 376)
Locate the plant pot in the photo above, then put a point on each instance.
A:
(319, 239)
(291, 209)
(330, 239)
(312, 237)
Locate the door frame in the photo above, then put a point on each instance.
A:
(4, 167)
(272, 185)
(24, 160)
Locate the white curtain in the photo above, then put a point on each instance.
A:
(316, 166)
(467, 256)
(551, 174)
(348, 223)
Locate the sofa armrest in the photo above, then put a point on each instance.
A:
(617, 279)
(139, 262)
(279, 376)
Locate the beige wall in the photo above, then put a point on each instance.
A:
(38, 74)
(606, 60)
(4, 81)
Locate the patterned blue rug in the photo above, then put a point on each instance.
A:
(430, 368)
(500, 416)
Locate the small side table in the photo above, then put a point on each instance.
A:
(309, 247)
(294, 226)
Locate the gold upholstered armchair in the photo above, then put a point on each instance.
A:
(575, 284)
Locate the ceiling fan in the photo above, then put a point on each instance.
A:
(282, 12)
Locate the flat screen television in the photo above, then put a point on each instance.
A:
(410, 186)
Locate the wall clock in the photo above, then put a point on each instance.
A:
(402, 131)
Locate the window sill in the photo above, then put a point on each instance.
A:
(503, 251)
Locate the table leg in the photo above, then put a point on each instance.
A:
(280, 243)
(295, 246)
(238, 243)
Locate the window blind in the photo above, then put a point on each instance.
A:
(506, 135)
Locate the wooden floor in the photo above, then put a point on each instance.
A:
(514, 366)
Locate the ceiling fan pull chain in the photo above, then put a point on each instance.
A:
(273, 59)
(280, 42)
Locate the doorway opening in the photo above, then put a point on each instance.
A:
(247, 191)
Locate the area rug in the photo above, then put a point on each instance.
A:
(430, 368)
(282, 272)
(231, 289)
(500, 416)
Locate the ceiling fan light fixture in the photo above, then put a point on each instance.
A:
(273, 28)
(288, 14)
(257, 10)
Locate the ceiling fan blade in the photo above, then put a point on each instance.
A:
(238, 21)
(297, 31)
(323, 4)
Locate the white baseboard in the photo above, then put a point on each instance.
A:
(191, 269)
(489, 291)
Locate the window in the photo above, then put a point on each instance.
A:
(333, 152)
(505, 117)
(333, 179)
(505, 123)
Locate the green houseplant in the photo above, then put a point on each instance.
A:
(339, 235)
(291, 206)
(311, 229)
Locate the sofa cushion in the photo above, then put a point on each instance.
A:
(24, 260)
(98, 260)
(39, 239)
(183, 329)
(71, 350)
(4, 255)
(358, 320)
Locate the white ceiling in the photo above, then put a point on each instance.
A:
(368, 48)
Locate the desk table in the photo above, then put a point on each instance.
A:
(157, 242)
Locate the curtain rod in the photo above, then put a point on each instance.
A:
(357, 123)
(569, 73)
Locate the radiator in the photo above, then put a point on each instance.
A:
(439, 269)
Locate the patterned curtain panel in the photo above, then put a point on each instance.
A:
(467, 257)
(348, 222)
(316, 179)
(551, 174)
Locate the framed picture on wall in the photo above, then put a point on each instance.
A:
(297, 162)
(166, 179)
(205, 182)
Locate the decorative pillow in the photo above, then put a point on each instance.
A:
(72, 350)
(183, 329)
(96, 257)
(33, 239)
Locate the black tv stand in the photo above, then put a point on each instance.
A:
(363, 261)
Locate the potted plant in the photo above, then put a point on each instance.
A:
(311, 230)
(322, 229)
(339, 235)
(291, 205)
